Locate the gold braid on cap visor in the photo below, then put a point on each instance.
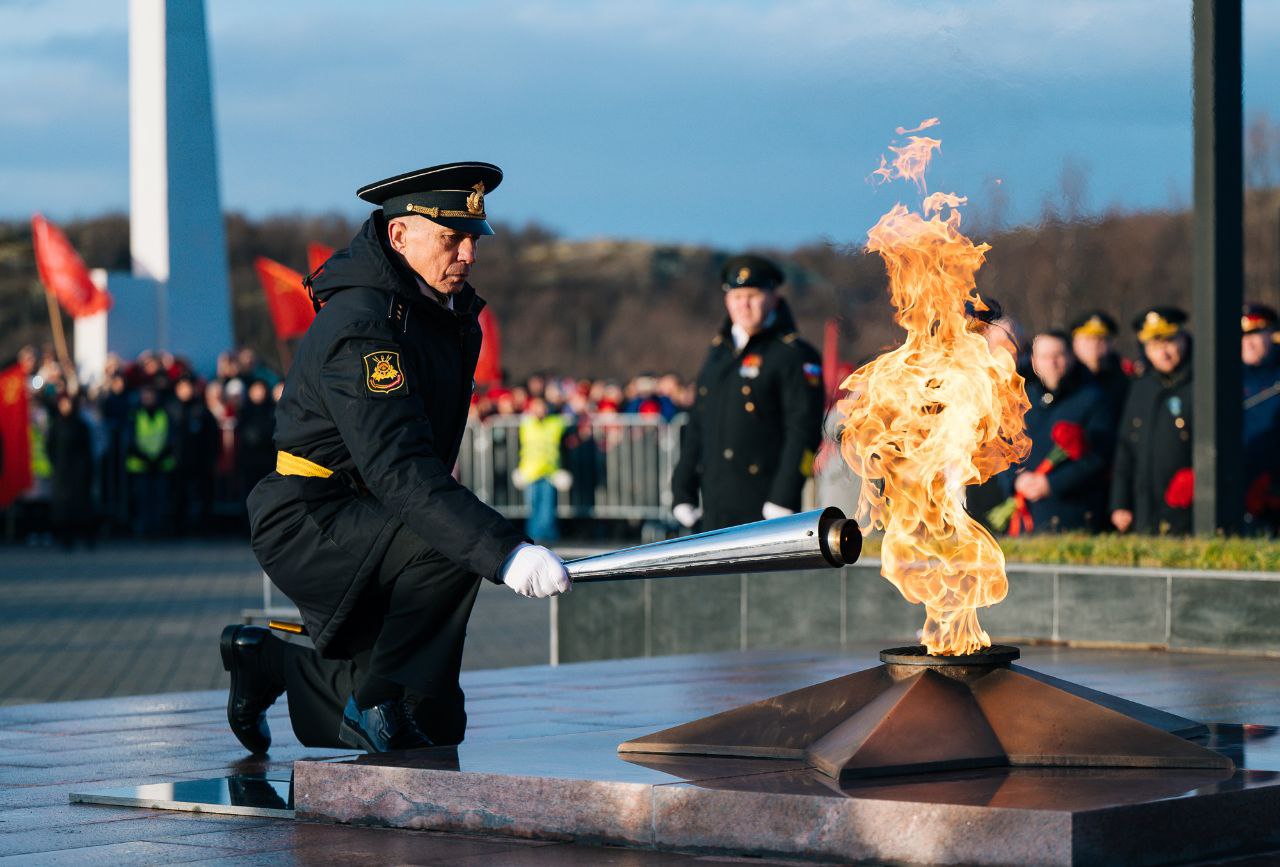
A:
(434, 213)
(1092, 328)
(1157, 329)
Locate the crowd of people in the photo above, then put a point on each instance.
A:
(162, 452)
(1111, 438)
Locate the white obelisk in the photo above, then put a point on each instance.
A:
(177, 237)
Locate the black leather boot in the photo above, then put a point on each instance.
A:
(253, 689)
(382, 728)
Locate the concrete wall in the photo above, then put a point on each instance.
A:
(1162, 608)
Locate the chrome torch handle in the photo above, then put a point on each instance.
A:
(810, 540)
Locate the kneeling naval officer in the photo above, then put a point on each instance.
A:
(362, 524)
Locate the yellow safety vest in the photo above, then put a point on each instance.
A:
(151, 434)
(40, 466)
(540, 445)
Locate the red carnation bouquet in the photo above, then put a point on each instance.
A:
(1181, 489)
(1069, 444)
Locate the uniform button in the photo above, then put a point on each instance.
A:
(750, 407)
(1137, 422)
(728, 454)
(1185, 436)
(702, 390)
(1179, 423)
(753, 469)
(746, 389)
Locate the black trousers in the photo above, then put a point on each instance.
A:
(409, 628)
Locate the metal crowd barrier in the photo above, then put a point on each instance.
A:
(621, 466)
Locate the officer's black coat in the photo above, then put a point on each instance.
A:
(1114, 382)
(1153, 444)
(751, 439)
(392, 439)
(1262, 419)
(1078, 489)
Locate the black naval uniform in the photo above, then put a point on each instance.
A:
(1153, 444)
(754, 427)
(1077, 497)
(362, 525)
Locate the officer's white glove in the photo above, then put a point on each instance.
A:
(772, 510)
(519, 479)
(686, 514)
(562, 480)
(536, 572)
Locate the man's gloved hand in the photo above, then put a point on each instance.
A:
(772, 510)
(562, 481)
(519, 480)
(536, 572)
(686, 514)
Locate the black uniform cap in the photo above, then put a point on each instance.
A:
(1095, 323)
(451, 195)
(748, 270)
(1159, 323)
(1258, 317)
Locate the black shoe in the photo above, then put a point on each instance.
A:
(381, 728)
(252, 689)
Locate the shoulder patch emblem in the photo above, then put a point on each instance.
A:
(813, 373)
(382, 373)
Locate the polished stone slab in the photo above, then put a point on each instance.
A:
(577, 788)
(236, 795)
(47, 751)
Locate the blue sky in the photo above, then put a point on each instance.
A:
(706, 121)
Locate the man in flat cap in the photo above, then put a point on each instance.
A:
(757, 416)
(1152, 485)
(1093, 337)
(1261, 415)
(361, 524)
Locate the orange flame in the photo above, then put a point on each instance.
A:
(924, 124)
(940, 412)
(912, 158)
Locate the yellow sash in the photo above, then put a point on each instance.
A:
(292, 465)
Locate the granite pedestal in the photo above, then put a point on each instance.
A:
(568, 782)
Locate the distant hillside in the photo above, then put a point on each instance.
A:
(616, 307)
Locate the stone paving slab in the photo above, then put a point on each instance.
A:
(133, 618)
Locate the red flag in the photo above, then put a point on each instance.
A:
(15, 435)
(317, 255)
(287, 299)
(489, 365)
(62, 271)
(831, 358)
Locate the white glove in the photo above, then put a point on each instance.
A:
(686, 514)
(535, 572)
(772, 510)
(562, 480)
(519, 480)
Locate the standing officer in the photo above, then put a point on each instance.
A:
(757, 418)
(1152, 485)
(1093, 336)
(1261, 361)
(1071, 494)
(361, 524)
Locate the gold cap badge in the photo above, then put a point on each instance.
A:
(475, 201)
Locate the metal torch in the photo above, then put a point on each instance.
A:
(809, 540)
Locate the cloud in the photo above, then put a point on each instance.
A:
(671, 118)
